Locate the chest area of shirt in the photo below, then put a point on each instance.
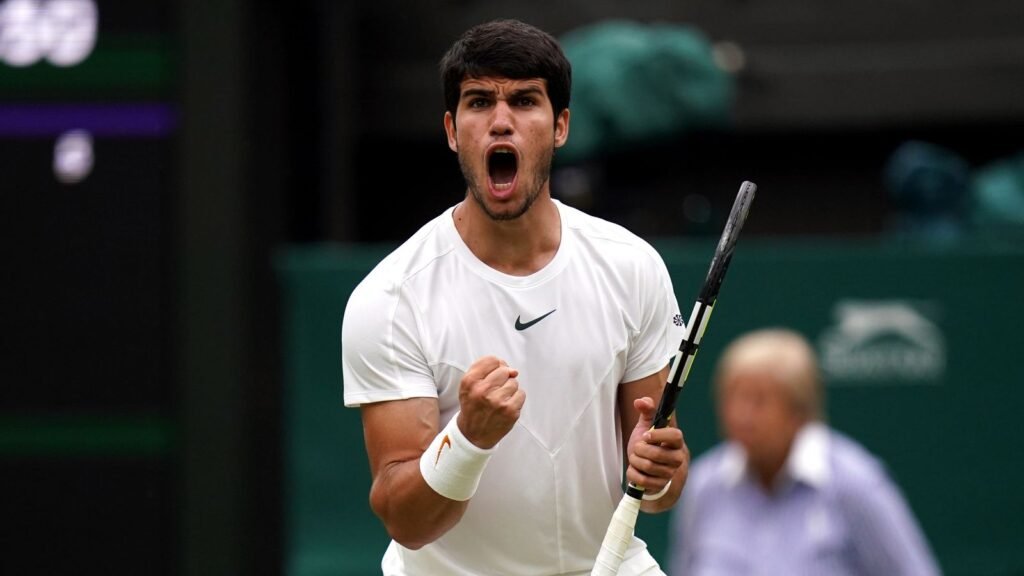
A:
(570, 335)
(801, 531)
(580, 314)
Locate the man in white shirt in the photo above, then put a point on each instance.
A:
(507, 358)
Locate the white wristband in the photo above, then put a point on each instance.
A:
(660, 493)
(452, 466)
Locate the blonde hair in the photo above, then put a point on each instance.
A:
(784, 354)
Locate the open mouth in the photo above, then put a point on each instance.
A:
(501, 167)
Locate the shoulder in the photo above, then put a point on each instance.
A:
(423, 250)
(856, 470)
(381, 349)
(378, 297)
(611, 241)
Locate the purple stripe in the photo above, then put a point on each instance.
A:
(139, 120)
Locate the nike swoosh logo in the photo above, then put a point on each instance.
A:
(446, 441)
(524, 325)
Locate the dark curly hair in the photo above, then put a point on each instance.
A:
(508, 49)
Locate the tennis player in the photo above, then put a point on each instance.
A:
(506, 357)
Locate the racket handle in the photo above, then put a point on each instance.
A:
(617, 538)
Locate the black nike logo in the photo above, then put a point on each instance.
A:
(524, 325)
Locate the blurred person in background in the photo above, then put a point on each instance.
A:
(785, 494)
(506, 358)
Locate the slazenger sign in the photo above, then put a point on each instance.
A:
(883, 342)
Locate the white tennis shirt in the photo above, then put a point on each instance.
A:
(602, 312)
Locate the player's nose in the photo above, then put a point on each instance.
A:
(502, 122)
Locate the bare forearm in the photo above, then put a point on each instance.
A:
(412, 512)
(422, 478)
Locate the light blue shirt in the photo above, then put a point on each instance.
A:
(834, 512)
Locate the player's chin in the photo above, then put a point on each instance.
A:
(509, 208)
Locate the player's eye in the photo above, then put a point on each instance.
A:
(478, 103)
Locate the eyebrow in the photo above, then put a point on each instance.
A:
(485, 93)
(472, 92)
(531, 91)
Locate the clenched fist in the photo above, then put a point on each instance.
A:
(490, 401)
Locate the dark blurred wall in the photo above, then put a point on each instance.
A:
(870, 63)
(89, 450)
(825, 95)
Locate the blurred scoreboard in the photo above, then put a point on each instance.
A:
(86, 122)
(87, 127)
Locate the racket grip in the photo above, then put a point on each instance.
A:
(617, 538)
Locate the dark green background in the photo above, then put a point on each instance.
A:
(953, 443)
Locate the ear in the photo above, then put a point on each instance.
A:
(562, 128)
(449, 130)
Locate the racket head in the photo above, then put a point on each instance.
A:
(727, 242)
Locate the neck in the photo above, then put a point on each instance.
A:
(767, 473)
(516, 247)
(768, 466)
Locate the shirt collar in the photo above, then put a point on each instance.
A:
(733, 465)
(807, 461)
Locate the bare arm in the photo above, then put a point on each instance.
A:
(397, 434)
(654, 456)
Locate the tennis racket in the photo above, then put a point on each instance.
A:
(620, 530)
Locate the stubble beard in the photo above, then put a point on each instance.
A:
(532, 192)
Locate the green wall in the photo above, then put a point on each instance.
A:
(920, 348)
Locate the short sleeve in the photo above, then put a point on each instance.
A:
(660, 327)
(382, 358)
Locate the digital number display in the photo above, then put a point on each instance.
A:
(62, 32)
